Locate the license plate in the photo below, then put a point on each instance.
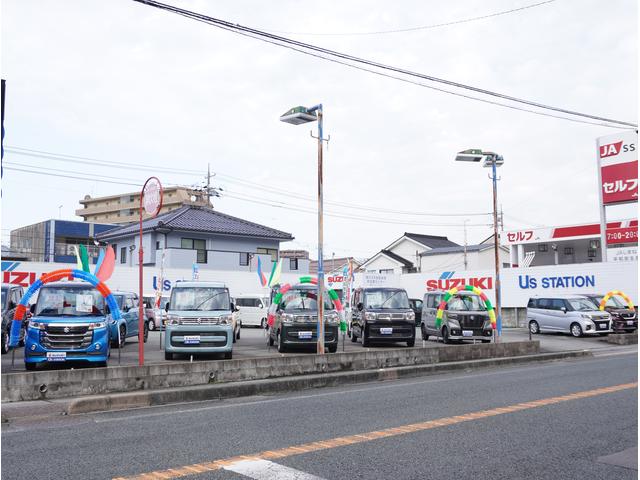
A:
(467, 333)
(386, 331)
(191, 339)
(604, 326)
(56, 356)
(305, 335)
(629, 322)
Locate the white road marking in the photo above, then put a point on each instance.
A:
(266, 470)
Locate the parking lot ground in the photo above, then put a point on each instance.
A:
(253, 343)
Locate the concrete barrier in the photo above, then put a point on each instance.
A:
(53, 384)
(623, 338)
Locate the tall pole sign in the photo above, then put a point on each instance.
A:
(617, 176)
(150, 202)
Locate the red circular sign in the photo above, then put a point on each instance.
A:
(152, 196)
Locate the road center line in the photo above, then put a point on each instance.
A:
(369, 436)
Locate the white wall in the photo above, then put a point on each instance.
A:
(383, 262)
(407, 250)
(455, 261)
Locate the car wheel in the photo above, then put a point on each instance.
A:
(228, 355)
(534, 328)
(423, 330)
(411, 343)
(365, 340)
(333, 348)
(31, 366)
(145, 334)
(576, 330)
(486, 341)
(353, 336)
(5, 341)
(123, 335)
(152, 325)
(168, 356)
(271, 339)
(445, 335)
(263, 324)
(238, 336)
(281, 347)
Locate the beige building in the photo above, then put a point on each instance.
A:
(124, 208)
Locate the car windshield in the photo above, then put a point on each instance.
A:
(581, 304)
(303, 299)
(70, 302)
(612, 302)
(119, 299)
(466, 302)
(382, 299)
(199, 299)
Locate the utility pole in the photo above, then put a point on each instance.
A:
(465, 243)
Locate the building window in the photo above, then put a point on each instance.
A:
(244, 259)
(568, 250)
(268, 251)
(196, 244)
(543, 247)
(157, 244)
(386, 270)
(591, 253)
(123, 255)
(293, 264)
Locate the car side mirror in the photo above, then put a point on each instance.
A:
(32, 308)
(11, 306)
(166, 307)
(564, 309)
(261, 305)
(360, 306)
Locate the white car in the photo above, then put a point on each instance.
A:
(253, 309)
(572, 314)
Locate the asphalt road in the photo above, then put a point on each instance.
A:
(562, 438)
(253, 343)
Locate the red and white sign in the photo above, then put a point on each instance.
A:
(623, 231)
(618, 163)
(152, 196)
(622, 235)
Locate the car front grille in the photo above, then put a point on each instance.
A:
(292, 334)
(66, 337)
(472, 321)
(200, 321)
(390, 316)
(206, 339)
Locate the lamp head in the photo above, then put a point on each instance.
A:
(470, 155)
(298, 116)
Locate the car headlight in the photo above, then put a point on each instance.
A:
(369, 316)
(36, 325)
(584, 315)
(287, 318)
(453, 322)
(410, 316)
(96, 325)
(173, 319)
(332, 318)
(225, 319)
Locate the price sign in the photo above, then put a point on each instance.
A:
(622, 235)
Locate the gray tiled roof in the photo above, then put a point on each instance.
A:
(431, 241)
(397, 258)
(198, 219)
(457, 249)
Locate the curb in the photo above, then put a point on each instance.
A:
(121, 401)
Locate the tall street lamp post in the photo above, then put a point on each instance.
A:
(297, 116)
(493, 160)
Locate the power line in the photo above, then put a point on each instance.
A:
(413, 29)
(308, 48)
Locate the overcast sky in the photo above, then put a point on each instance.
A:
(120, 81)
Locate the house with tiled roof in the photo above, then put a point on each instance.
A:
(202, 236)
(404, 254)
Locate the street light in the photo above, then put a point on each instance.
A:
(298, 116)
(493, 160)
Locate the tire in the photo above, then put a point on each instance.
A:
(411, 343)
(271, 340)
(534, 328)
(145, 334)
(576, 330)
(365, 340)
(486, 341)
(445, 336)
(5, 341)
(168, 356)
(333, 348)
(263, 324)
(238, 336)
(423, 331)
(152, 325)
(281, 347)
(353, 336)
(31, 366)
(123, 336)
(228, 355)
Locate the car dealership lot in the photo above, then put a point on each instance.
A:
(253, 343)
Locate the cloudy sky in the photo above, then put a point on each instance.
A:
(124, 82)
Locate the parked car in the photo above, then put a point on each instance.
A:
(574, 314)
(69, 324)
(128, 326)
(416, 306)
(199, 320)
(382, 315)
(11, 296)
(296, 320)
(624, 320)
(464, 318)
(253, 309)
(156, 316)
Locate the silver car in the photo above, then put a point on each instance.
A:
(572, 314)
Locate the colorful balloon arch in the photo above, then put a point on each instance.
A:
(286, 287)
(54, 276)
(618, 293)
(469, 288)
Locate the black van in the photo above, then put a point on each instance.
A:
(382, 315)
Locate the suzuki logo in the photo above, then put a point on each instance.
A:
(67, 329)
(199, 321)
